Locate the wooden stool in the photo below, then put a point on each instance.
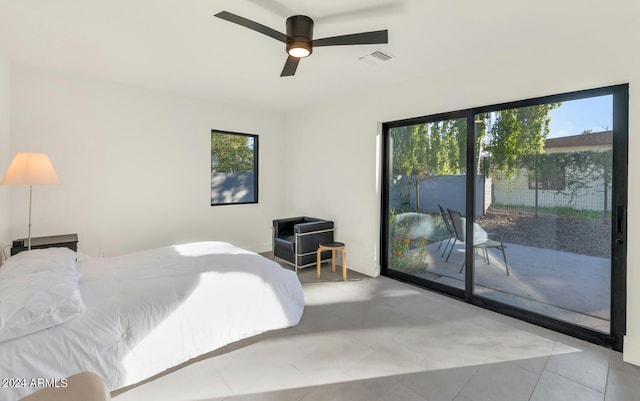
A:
(333, 247)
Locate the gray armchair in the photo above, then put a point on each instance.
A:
(296, 240)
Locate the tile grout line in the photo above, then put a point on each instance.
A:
(606, 383)
(577, 382)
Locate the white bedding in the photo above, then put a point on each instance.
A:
(38, 290)
(151, 310)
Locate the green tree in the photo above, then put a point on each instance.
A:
(232, 153)
(410, 149)
(436, 148)
(425, 150)
(518, 133)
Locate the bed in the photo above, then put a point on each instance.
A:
(133, 316)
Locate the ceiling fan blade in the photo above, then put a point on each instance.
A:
(247, 23)
(364, 38)
(290, 66)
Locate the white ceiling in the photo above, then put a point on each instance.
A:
(178, 46)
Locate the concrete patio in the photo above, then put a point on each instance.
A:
(567, 286)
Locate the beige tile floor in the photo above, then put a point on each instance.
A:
(379, 339)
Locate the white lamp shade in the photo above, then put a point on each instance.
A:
(30, 169)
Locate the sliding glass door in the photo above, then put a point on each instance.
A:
(550, 211)
(427, 169)
(516, 207)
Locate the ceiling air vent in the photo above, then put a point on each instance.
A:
(376, 58)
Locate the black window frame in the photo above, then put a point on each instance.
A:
(254, 184)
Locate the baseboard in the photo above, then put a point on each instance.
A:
(631, 353)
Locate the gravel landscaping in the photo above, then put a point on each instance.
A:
(581, 236)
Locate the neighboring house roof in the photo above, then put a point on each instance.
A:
(591, 139)
(594, 139)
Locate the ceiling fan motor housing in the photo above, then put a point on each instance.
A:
(299, 32)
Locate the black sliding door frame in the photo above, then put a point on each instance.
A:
(385, 208)
(613, 339)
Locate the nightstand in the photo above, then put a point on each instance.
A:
(61, 241)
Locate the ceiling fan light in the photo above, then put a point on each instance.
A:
(299, 52)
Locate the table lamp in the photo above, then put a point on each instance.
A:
(30, 169)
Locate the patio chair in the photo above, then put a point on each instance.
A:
(447, 225)
(482, 240)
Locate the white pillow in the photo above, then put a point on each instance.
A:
(38, 289)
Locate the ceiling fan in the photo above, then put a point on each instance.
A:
(299, 37)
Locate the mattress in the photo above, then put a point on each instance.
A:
(148, 311)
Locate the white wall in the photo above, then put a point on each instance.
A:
(340, 178)
(134, 165)
(5, 154)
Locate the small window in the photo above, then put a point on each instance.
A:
(554, 182)
(234, 168)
